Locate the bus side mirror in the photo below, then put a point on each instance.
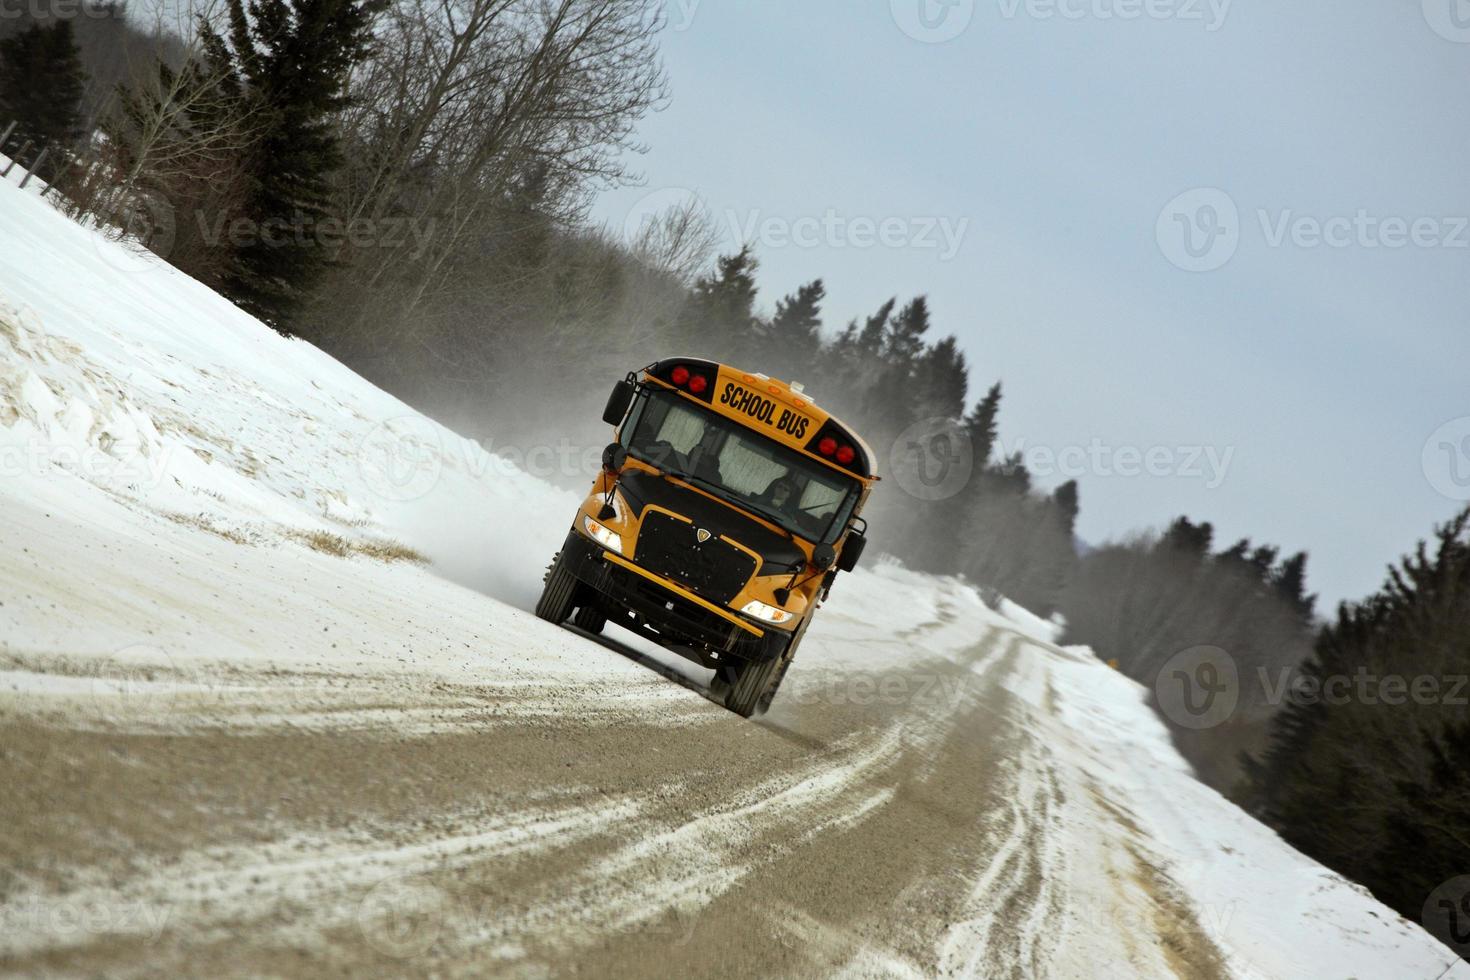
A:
(618, 402)
(614, 457)
(851, 552)
(823, 555)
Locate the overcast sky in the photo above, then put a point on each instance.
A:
(1221, 246)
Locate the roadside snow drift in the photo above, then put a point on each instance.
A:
(273, 704)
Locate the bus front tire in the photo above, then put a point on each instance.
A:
(555, 604)
(743, 696)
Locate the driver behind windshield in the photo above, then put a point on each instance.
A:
(784, 497)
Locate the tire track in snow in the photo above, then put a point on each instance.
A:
(314, 877)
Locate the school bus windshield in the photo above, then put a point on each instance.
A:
(741, 466)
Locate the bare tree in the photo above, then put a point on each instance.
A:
(679, 241)
(478, 116)
(176, 136)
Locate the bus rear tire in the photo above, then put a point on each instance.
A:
(590, 619)
(555, 604)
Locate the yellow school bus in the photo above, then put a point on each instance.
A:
(725, 507)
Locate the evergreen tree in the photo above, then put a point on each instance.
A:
(981, 425)
(1188, 538)
(1067, 505)
(1374, 785)
(795, 331)
(941, 381)
(870, 340)
(892, 398)
(903, 341)
(720, 319)
(289, 61)
(854, 359)
(41, 84)
(1290, 582)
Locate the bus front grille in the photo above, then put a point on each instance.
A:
(713, 569)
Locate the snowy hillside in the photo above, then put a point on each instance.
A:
(273, 704)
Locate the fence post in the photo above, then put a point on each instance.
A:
(35, 165)
(11, 165)
(5, 136)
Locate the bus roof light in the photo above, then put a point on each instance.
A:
(680, 375)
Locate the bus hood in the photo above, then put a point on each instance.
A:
(778, 552)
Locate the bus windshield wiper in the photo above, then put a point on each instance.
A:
(773, 517)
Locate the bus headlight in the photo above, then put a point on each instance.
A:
(770, 614)
(606, 537)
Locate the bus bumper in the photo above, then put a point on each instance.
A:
(659, 609)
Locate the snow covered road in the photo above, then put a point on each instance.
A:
(270, 704)
(434, 803)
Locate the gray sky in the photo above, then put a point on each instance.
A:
(1022, 164)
